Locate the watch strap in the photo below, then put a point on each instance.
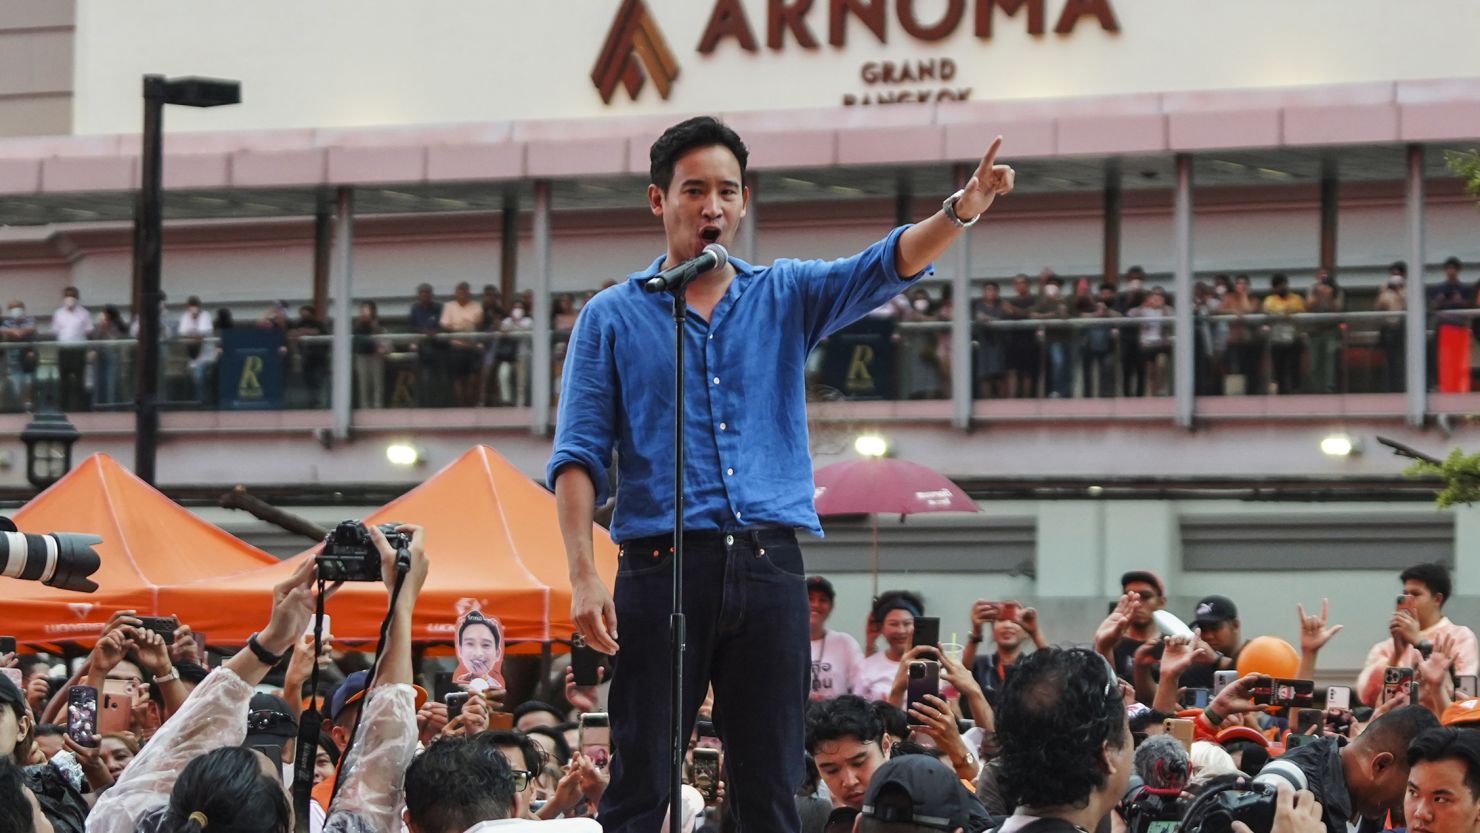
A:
(267, 657)
(949, 209)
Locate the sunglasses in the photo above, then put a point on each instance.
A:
(260, 721)
(521, 779)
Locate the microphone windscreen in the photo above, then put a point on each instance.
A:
(722, 257)
(1162, 763)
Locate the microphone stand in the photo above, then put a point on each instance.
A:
(677, 743)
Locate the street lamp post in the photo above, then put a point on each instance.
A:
(158, 91)
(49, 438)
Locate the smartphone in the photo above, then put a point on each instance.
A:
(1222, 680)
(927, 631)
(1009, 611)
(82, 714)
(16, 677)
(1196, 698)
(1403, 603)
(455, 702)
(1307, 719)
(1339, 697)
(1413, 692)
(706, 773)
(117, 705)
(1395, 680)
(1294, 741)
(499, 721)
(924, 679)
(1298, 694)
(165, 626)
(7, 644)
(1180, 729)
(596, 738)
(1466, 687)
(708, 738)
(584, 661)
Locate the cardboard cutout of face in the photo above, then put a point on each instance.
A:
(480, 652)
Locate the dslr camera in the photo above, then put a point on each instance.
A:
(1251, 802)
(349, 554)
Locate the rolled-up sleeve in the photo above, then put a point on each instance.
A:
(844, 290)
(585, 423)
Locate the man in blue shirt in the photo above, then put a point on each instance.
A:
(748, 481)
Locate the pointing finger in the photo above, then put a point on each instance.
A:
(991, 157)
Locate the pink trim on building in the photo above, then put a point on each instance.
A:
(1420, 111)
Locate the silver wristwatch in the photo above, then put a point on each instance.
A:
(949, 208)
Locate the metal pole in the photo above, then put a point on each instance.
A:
(540, 393)
(1111, 254)
(1415, 325)
(323, 240)
(509, 246)
(147, 233)
(677, 635)
(961, 387)
(342, 279)
(1329, 186)
(1184, 344)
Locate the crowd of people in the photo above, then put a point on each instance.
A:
(1122, 348)
(417, 360)
(1017, 731)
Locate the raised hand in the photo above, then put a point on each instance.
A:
(1114, 627)
(987, 183)
(1313, 631)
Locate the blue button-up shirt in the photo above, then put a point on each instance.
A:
(746, 460)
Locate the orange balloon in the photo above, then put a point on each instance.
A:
(1270, 656)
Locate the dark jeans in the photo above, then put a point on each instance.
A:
(746, 607)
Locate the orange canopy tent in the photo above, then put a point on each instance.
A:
(494, 543)
(148, 541)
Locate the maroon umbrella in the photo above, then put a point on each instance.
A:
(886, 485)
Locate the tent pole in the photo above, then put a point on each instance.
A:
(874, 525)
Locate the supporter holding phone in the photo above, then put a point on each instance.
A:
(1012, 627)
(1417, 620)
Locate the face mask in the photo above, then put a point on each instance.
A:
(1220, 291)
(1396, 281)
(1051, 291)
(1135, 286)
(921, 304)
(17, 312)
(69, 302)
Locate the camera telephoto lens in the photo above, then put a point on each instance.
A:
(56, 559)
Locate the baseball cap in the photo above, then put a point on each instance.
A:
(352, 691)
(818, 584)
(269, 721)
(919, 790)
(1146, 576)
(1214, 610)
(1461, 713)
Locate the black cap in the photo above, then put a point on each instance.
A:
(919, 790)
(1214, 610)
(269, 721)
(1453, 261)
(1145, 576)
(818, 584)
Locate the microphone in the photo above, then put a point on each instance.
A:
(714, 256)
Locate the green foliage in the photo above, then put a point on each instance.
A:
(1460, 474)
(1466, 166)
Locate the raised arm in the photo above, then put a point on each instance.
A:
(926, 240)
